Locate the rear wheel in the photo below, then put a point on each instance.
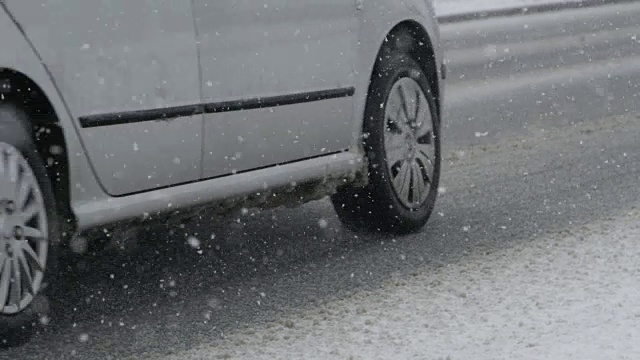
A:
(402, 143)
(28, 229)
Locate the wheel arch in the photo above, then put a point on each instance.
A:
(19, 90)
(411, 38)
(421, 29)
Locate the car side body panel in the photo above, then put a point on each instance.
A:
(121, 56)
(300, 52)
(94, 207)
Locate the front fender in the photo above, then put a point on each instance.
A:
(18, 55)
(377, 19)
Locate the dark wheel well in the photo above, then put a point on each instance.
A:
(411, 38)
(19, 90)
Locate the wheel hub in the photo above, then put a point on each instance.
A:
(18, 232)
(410, 139)
(10, 227)
(409, 148)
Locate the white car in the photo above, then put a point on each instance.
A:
(114, 113)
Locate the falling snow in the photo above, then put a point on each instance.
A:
(193, 242)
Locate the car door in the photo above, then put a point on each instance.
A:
(277, 80)
(128, 71)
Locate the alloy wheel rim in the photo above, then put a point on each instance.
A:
(23, 232)
(409, 142)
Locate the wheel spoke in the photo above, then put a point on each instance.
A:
(5, 278)
(427, 150)
(404, 124)
(414, 180)
(426, 164)
(402, 182)
(22, 193)
(32, 257)
(420, 183)
(404, 101)
(412, 184)
(424, 123)
(394, 148)
(16, 285)
(418, 104)
(396, 115)
(26, 271)
(406, 187)
(398, 180)
(32, 233)
(13, 168)
(31, 210)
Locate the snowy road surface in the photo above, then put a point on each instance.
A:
(532, 251)
(573, 294)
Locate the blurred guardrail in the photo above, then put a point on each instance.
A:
(514, 74)
(455, 11)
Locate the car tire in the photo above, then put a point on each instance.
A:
(22, 307)
(387, 203)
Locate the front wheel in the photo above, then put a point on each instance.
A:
(28, 229)
(402, 144)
